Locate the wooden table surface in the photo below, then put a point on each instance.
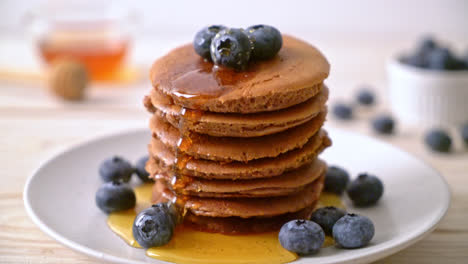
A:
(34, 126)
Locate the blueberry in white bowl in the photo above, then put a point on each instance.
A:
(115, 196)
(353, 231)
(115, 169)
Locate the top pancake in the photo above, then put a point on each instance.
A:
(288, 79)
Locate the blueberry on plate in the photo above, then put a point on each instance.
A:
(336, 180)
(141, 171)
(365, 190)
(353, 231)
(231, 48)
(301, 236)
(464, 133)
(383, 124)
(365, 97)
(115, 196)
(115, 169)
(267, 41)
(202, 40)
(154, 226)
(342, 111)
(326, 217)
(438, 140)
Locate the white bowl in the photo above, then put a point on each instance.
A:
(428, 97)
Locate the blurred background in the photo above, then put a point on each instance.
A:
(122, 38)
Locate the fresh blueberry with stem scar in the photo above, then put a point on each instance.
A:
(336, 180)
(141, 171)
(202, 40)
(326, 217)
(301, 236)
(342, 111)
(231, 48)
(383, 124)
(116, 169)
(353, 231)
(365, 190)
(154, 226)
(267, 41)
(115, 196)
(438, 140)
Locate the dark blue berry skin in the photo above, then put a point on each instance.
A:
(231, 48)
(115, 196)
(353, 231)
(267, 41)
(438, 140)
(416, 60)
(202, 40)
(464, 133)
(336, 180)
(383, 124)
(342, 111)
(426, 45)
(365, 190)
(154, 226)
(115, 169)
(301, 236)
(326, 217)
(443, 59)
(141, 171)
(365, 97)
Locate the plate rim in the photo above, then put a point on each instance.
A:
(369, 254)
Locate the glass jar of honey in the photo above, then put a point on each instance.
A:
(95, 33)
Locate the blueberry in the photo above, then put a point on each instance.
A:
(417, 60)
(115, 169)
(141, 171)
(365, 97)
(426, 45)
(301, 236)
(154, 226)
(342, 111)
(383, 124)
(336, 180)
(353, 231)
(438, 140)
(464, 133)
(326, 217)
(232, 48)
(115, 196)
(267, 41)
(202, 40)
(443, 59)
(365, 190)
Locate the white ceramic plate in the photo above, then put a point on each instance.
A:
(59, 197)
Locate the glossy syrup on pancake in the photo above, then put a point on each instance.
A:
(193, 247)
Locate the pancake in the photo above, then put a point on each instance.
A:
(288, 79)
(260, 168)
(245, 207)
(236, 125)
(284, 184)
(236, 149)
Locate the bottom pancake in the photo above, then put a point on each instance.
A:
(236, 225)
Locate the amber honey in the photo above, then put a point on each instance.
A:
(102, 53)
(192, 247)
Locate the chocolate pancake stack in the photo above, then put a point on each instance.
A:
(238, 151)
